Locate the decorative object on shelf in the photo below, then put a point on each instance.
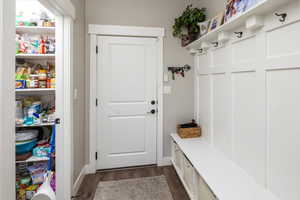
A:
(179, 70)
(186, 26)
(237, 7)
(216, 22)
(204, 26)
(189, 130)
(282, 16)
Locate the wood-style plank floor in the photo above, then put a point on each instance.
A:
(88, 187)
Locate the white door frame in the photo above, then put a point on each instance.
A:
(64, 58)
(130, 31)
(7, 99)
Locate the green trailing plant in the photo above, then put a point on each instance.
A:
(187, 23)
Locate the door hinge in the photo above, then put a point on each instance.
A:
(97, 49)
(96, 155)
(96, 102)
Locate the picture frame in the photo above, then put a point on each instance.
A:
(237, 7)
(216, 22)
(203, 27)
(228, 10)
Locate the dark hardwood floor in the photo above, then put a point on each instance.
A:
(90, 182)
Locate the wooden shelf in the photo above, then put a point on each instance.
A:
(226, 179)
(260, 9)
(35, 56)
(34, 159)
(34, 90)
(35, 29)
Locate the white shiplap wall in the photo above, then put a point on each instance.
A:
(248, 101)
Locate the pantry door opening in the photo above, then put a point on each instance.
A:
(36, 85)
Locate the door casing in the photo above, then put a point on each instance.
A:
(130, 31)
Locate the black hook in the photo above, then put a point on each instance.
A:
(282, 15)
(179, 70)
(216, 44)
(239, 34)
(200, 50)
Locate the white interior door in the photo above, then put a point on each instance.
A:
(126, 85)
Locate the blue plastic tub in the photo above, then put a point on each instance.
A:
(25, 147)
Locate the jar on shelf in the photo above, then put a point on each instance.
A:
(52, 83)
(33, 81)
(42, 75)
(43, 84)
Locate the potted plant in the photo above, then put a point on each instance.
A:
(186, 26)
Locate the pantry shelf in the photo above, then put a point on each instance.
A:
(35, 56)
(32, 90)
(34, 159)
(35, 125)
(35, 29)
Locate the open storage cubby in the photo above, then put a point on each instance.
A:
(194, 184)
(207, 174)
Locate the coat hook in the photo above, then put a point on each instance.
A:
(200, 50)
(239, 34)
(282, 15)
(179, 70)
(216, 44)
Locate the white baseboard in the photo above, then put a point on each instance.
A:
(90, 169)
(166, 161)
(79, 179)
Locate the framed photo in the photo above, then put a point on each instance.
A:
(229, 10)
(216, 22)
(204, 26)
(237, 7)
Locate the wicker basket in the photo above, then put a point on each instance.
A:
(189, 132)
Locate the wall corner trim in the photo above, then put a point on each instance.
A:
(166, 161)
(79, 179)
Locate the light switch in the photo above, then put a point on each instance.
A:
(167, 89)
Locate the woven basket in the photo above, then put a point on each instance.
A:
(189, 132)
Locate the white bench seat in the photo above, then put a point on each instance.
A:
(227, 180)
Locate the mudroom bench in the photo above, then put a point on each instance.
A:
(208, 175)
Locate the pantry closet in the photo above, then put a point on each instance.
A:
(35, 98)
(43, 103)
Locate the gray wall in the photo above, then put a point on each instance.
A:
(179, 105)
(79, 84)
(214, 7)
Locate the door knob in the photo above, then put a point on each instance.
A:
(153, 102)
(152, 111)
